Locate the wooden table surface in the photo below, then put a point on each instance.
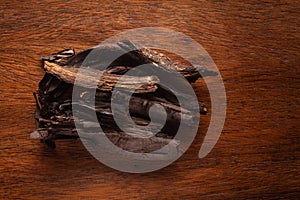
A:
(256, 48)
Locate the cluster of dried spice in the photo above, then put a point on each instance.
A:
(54, 114)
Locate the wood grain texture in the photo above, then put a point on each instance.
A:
(255, 44)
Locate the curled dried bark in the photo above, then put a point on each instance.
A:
(54, 113)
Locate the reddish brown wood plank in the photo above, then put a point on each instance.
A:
(256, 47)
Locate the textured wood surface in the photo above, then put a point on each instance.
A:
(254, 44)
